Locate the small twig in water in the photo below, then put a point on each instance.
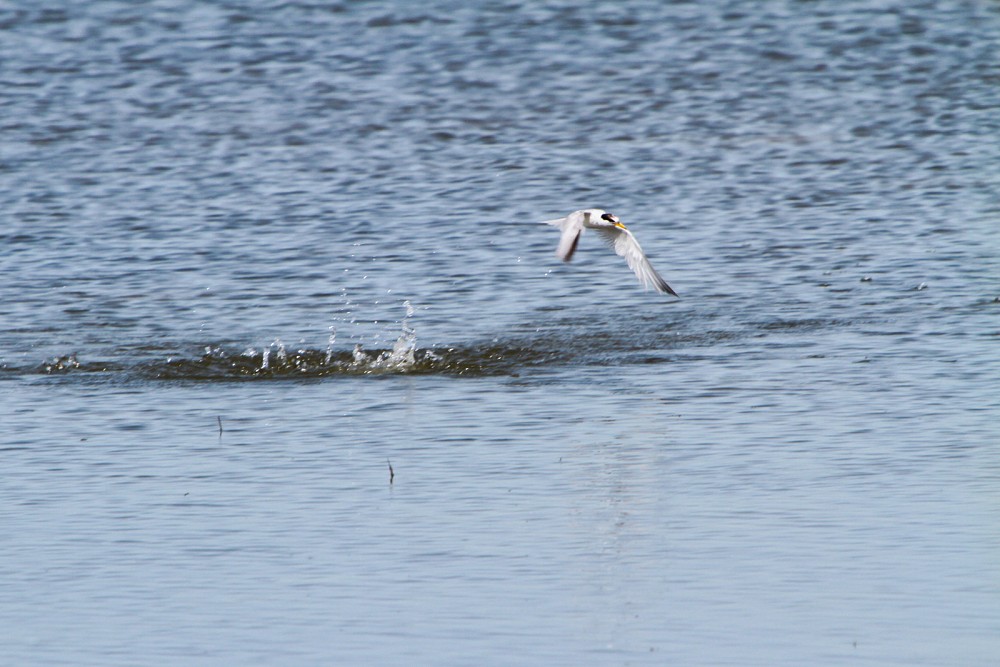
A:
(220, 426)
(392, 474)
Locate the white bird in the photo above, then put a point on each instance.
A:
(617, 236)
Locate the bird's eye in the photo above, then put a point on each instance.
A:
(608, 217)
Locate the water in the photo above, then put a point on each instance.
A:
(254, 254)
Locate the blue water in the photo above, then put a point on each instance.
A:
(254, 254)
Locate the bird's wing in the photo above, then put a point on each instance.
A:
(572, 227)
(625, 245)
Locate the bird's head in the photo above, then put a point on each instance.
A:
(612, 220)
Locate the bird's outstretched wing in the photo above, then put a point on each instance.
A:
(625, 245)
(572, 227)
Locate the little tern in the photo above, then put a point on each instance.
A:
(617, 236)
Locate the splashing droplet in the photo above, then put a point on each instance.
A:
(329, 346)
(359, 356)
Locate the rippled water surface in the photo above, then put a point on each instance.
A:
(290, 374)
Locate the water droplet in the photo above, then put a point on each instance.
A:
(359, 356)
(329, 347)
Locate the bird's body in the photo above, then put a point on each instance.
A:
(617, 236)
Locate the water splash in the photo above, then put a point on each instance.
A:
(277, 348)
(67, 364)
(406, 344)
(401, 358)
(329, 345)
(63, 363)
(358, 356)
(542, 347)
(276, 361)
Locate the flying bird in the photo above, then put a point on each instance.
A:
(616, 235)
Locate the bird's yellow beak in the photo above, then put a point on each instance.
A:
(619, 225)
